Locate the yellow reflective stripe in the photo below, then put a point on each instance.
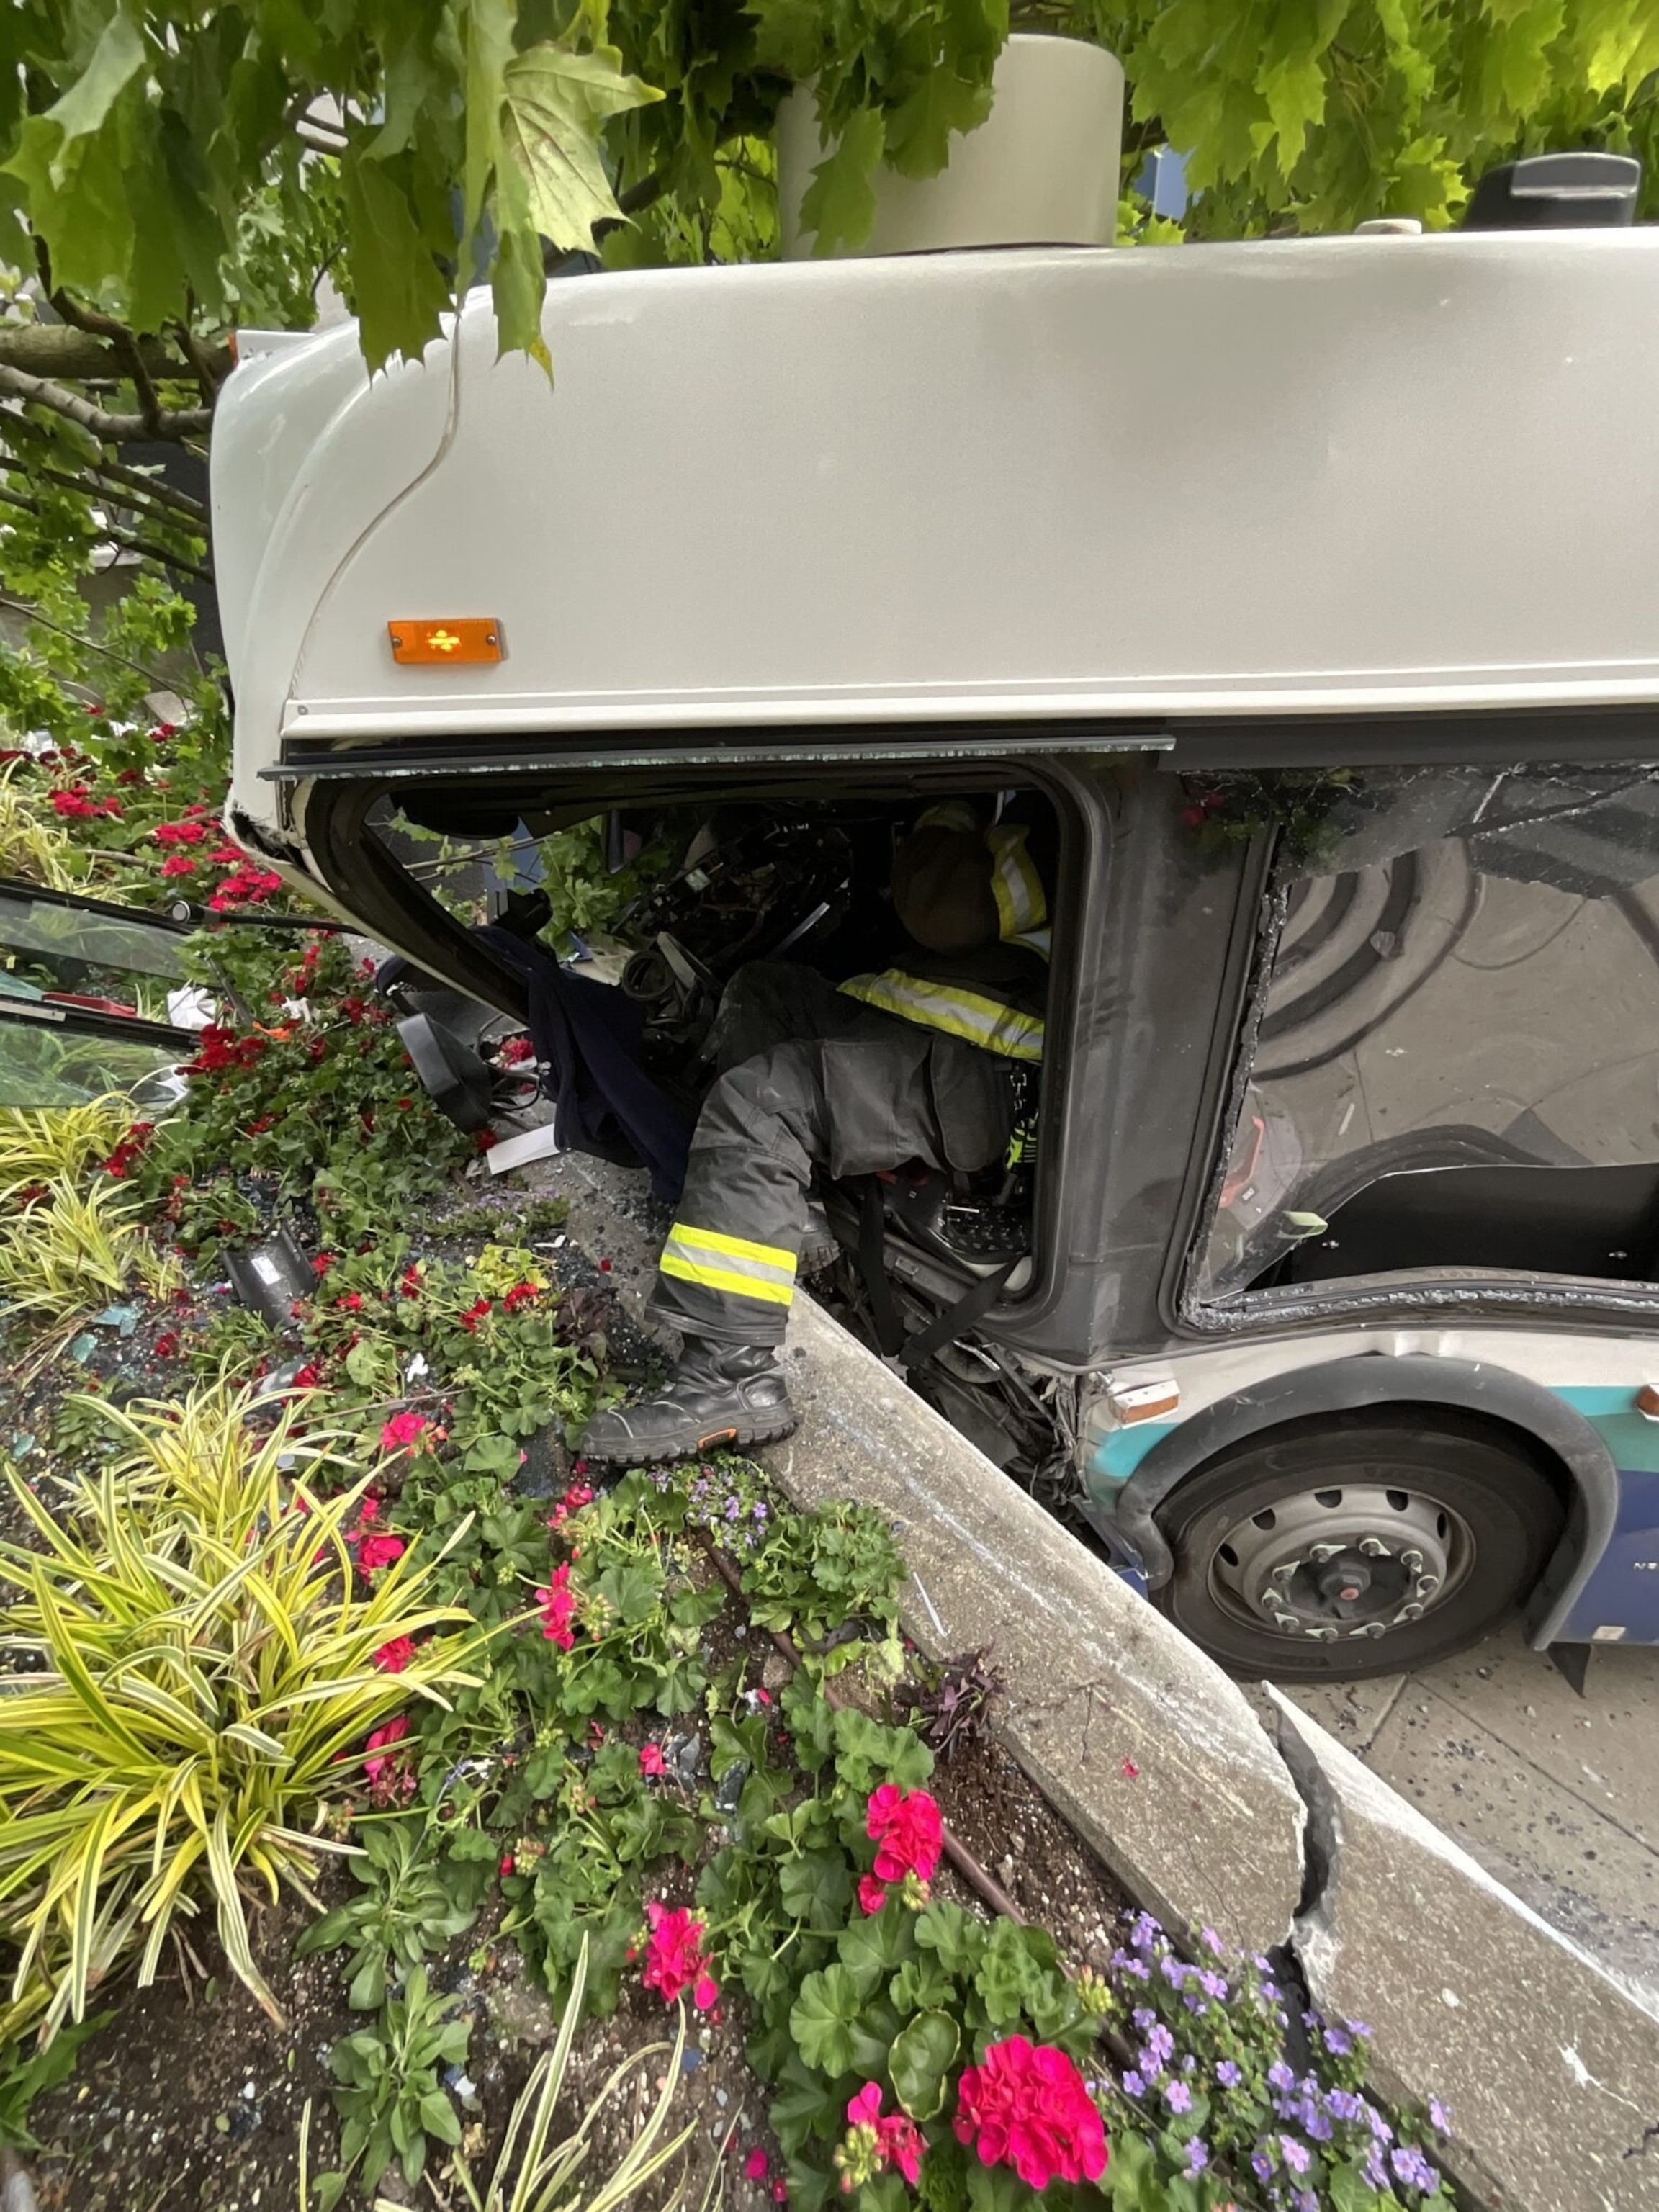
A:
(719, 1278)
(984, 1022)
(1015, 884)
(947, 814)
(736, 1248)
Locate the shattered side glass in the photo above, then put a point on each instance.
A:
(44, 1065)
(1463, 973)
(65, 947)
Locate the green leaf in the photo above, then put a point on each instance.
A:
(367, 1988)
(952, 1935)
(402, 293)
(839, 205)
(115, 61)
(920, 1985)
(439, 2118)
(822, 2019)
(817, 1888)
(804, 2108)
(1350, 2191)
(872, 1947)
(556, 106)
(923, 2055)
(918, 129)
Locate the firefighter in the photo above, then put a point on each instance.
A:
(915, 1063)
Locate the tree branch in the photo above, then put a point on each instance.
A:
(94, 321)
(128, 544)
(151, 676)
(156, 490)
(175, 426)
(110, 494)
(57, 349)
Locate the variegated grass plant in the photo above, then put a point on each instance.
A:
(191, 1654)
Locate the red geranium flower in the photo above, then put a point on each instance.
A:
(474, 1314)
(872, 1894)
(166, 1344)
(376, 1551)
(396, 1655)
(394, 1731)
(401, 1431)
(651, 1759)
(906, 1832)
(521, 1295)
(558, 1603)
(674, 1958)
(1025, 2106)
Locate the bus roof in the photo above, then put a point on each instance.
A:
(1340, 475)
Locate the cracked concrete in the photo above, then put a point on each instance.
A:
(1551, 2071)
(1206, 1816)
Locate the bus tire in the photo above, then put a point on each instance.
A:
(1306, 1553)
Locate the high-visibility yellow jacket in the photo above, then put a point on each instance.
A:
(993, 998)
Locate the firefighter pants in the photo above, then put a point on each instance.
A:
(809, 1079)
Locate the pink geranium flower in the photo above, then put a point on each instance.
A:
(401, 1431)
(558, 1603)
(1025, 2106)
(396, 1655)
(651, 1759)
(872, 1894)
(906, 1831)
(674, 1957)
(376, 1551)
(379, 1760)
(756, 2166)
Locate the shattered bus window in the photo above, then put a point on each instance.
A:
(1453, 1060)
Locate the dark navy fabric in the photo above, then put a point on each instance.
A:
(591, 1039)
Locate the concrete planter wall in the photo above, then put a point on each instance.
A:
(1041, 170)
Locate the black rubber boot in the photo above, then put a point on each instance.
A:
(719, 1394)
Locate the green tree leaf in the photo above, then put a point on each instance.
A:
(114, 62)
(817, 1888)
(557, 104)
(402, 293)
(822, 2019)
(839, 205)
(923, 2053)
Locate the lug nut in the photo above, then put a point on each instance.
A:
(1286, 1620)
(1285, 1573)
(1374, 1547)
(1323, 1635)
(1412, 1561)
(1427, 1585)
(1320, 1553)
(1371, 1628)
(1409, 1612)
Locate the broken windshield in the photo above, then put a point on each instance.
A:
(1461, 970)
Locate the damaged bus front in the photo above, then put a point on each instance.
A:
(1292, 597)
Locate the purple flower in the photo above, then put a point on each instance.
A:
(1297, 2156)
(1315, 2124)
(1377, 2173)
(1270, 1990)
(1209, 1936)
(1358, 2027)
(1147, 2064)
(1379, 2127)
(1197, 2156)
(1346, 2105)
(1280, 2076)
(1162, 2042)
(1263, 1965)
(733, 1507)
(1178, 2097)
(1144, 1933)
(759, 1510)
(1139, 1969)
(1439, 2117)
(1132, 2084)
(1144, 2017)
(1213, 1985)
(1306, 2200)
(1337, 2043)
(1193, 2003)
(1410, 2167)
(1227, 2074)
(1172, 1970)
(1261, 2166)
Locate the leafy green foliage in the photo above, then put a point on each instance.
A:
(390, 2097)
(404, 1912)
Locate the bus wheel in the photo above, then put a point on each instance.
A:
(1356, 1544)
